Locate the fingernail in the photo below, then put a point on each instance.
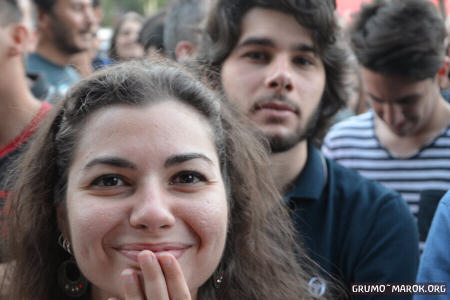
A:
(148, 258)
(167, 259)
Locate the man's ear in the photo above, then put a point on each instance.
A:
(20, 36)
(184, 50)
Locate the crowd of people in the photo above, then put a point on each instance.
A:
(224, 149)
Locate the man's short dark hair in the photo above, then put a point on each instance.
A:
(10, 12)
(183, 21)
(400, 38)
(224, 29)
(152, 32)
(46, 5)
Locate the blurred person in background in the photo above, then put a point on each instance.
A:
(124, 41)
(356, 102)
(183, 28)
(65, 29)
(38, 83)
(89, 60)
(152, 32)
(20, 111)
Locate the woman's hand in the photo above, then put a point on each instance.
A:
(162, 279)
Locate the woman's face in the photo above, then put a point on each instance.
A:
(127, 46)
(145, 178)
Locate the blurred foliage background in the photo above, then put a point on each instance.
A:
(113, 9)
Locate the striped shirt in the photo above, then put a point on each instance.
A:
(353, 143)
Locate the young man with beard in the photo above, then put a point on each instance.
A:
(279, 63)
(64, 30)
(403, 142)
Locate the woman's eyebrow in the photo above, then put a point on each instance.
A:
(181, 158)
(111, 161)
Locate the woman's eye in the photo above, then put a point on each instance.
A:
(77, 7)
(125, 33)
(187, 177)
(109, 180)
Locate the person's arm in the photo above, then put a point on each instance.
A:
(435, 262)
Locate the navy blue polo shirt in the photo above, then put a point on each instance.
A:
(353, 227)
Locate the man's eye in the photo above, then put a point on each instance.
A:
(407, 102)
(187, 177)
(257, 56)
(302, 61)
(109, 180)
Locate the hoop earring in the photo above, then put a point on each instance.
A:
(70, 279)
(64, 243)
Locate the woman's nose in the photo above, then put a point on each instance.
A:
(152, 210)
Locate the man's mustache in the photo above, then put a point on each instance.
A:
(280, 98)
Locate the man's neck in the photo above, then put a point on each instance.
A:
(286, 166)
(50, 52)
(405, 146)
(18, 107)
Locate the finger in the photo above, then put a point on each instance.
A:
(153, 278)
(176, 284)
(131, 285)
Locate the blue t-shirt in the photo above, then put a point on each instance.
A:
(435, 263)
(353, 227)
(60, 78)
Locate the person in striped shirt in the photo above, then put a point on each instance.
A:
(404, 141)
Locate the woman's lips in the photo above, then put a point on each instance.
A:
(132, 251)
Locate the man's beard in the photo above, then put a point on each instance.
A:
(62, 39)
(280, 143)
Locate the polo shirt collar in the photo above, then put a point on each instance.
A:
(311, 181)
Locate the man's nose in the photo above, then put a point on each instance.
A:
(151, 210)
(392, 114)
(89, 16)
(279, 76)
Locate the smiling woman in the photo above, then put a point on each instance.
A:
(143, 185)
